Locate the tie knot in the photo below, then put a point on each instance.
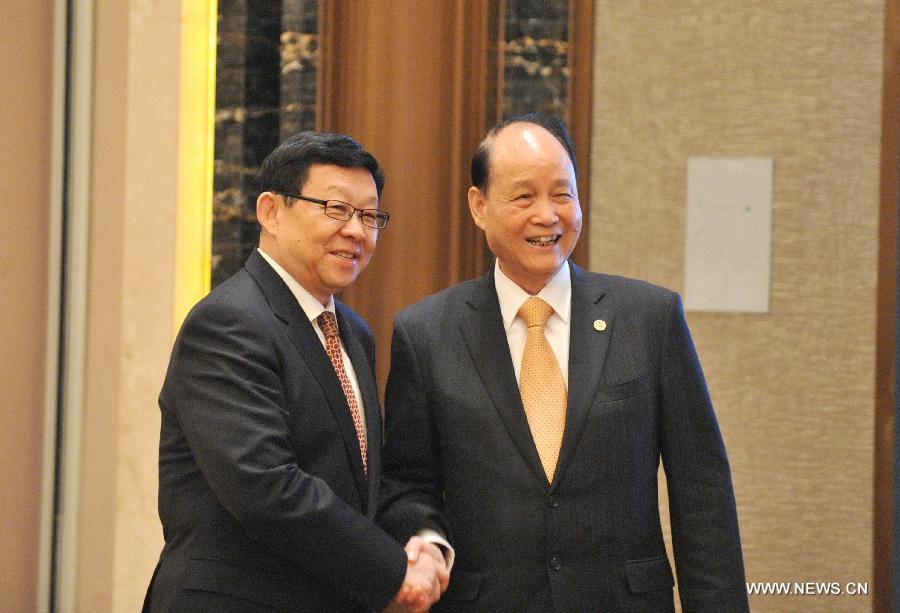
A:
(535, 312)
(328, 324)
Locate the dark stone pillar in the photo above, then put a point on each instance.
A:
(299, 65)
(536, 47)
(248, 94)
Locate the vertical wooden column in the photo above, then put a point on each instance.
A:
(411, 81)
(25, 241)
(885, 541)
(581, 86)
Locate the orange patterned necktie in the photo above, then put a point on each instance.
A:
(328, 324)
(541, 384)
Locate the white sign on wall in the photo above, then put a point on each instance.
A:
(728, 235)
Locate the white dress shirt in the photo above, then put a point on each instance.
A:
(312, 308)
(558, 294)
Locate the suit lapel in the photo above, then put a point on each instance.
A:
(587, 355)
(368, 391)
(485, 337)
(304, 338)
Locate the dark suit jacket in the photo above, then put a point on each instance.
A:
(262, 495)
(458, 449)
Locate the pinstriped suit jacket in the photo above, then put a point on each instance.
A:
(459, 453)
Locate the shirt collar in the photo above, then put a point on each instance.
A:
(557, 293)
(311, 307)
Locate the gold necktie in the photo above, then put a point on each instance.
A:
(542, 387)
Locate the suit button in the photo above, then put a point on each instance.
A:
(552, 502)
(555, 564)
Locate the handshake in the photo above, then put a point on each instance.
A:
(426, 578)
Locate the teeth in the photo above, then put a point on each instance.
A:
(348, 256)
(544, 240)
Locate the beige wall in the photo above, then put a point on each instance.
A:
(800, 81)
(25, 81)
(130, 313)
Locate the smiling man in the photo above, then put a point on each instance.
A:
(528, 412)
(270, 447)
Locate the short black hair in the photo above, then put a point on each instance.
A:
(287, 167)
(481, 160)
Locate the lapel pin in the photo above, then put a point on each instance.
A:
(599, 325)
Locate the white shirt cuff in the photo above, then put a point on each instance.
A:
(432, 536)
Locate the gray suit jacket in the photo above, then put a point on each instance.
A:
(262, 495)
(459, 454)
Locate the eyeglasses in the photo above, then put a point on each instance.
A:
(343, 211)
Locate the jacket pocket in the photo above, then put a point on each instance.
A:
(649, 574)
(278, 591)
(627, 389)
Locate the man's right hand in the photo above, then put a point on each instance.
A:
(426, 578)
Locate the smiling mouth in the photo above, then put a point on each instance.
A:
(345, 254)
(544, 241)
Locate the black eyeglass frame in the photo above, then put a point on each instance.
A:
(377, 214)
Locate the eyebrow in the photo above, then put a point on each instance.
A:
(343, 194)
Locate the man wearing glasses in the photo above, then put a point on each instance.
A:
(270, 447)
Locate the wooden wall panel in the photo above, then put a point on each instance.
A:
(412, 86)
(26, 46)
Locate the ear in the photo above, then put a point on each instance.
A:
(267, 212)
(477, 202)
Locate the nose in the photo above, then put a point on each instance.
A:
(354, 227)
(544, 212)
